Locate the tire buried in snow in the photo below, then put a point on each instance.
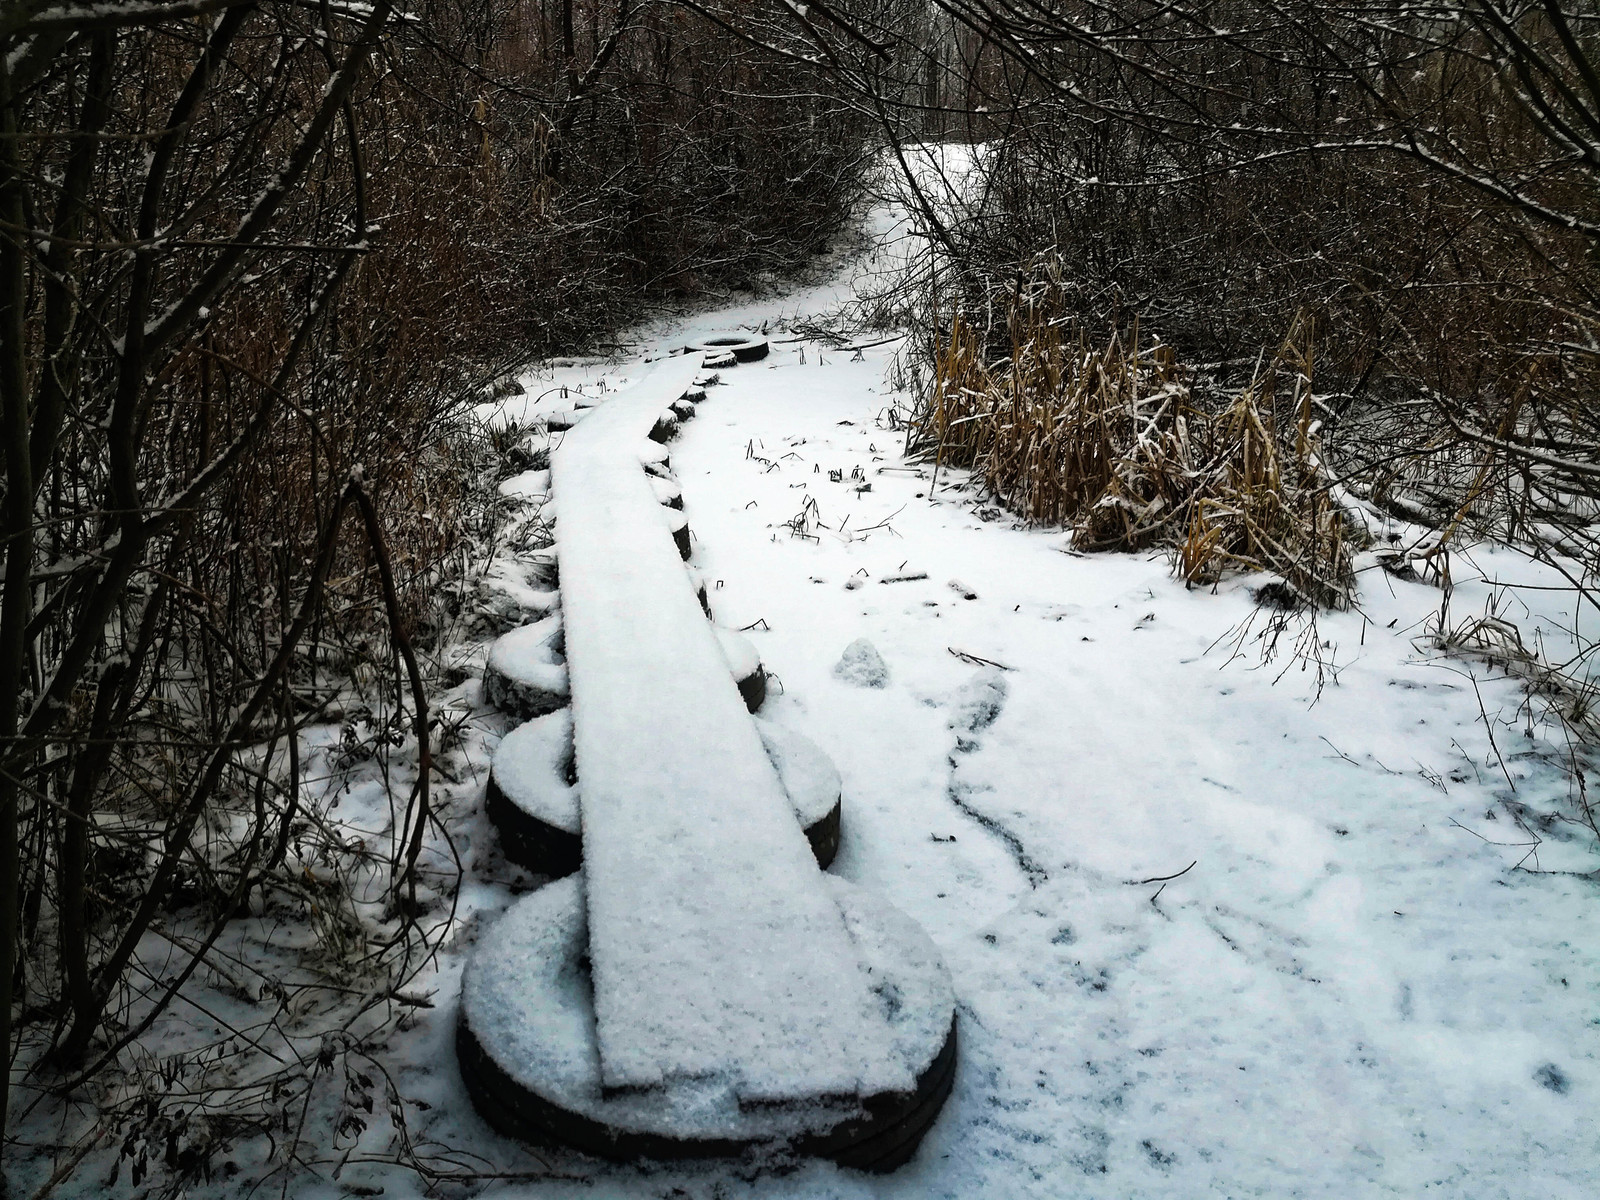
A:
(811, 782)
(744, 662)
(678, 523)
(526, 674)
(531, 798)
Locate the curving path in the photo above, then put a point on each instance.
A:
(733, 999)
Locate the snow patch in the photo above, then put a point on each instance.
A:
(862, 666)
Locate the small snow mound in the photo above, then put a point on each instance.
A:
(979, 701)
(862, 666)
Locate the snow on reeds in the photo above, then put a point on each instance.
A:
(1114, 441)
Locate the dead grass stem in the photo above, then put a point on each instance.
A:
(1113, 441)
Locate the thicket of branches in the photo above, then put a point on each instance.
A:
(1416, 180)
(256, 259)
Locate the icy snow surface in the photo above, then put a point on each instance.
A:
(716, 948)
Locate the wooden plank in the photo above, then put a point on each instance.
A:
(716, 951)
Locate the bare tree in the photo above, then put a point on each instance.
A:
(1419, 178)
(260, 257)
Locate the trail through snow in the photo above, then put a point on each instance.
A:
(1211, 935)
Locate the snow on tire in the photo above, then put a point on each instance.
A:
(525, 1039)
(533, 802)
(745, 347)
(526, 674)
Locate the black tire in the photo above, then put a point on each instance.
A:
(744, 347)
(825, 834)
(542, 848)
(665, 428)
(530, 837)
(882, 1140)
(518, 1113)
(529, 690)
(566, 1107)
(754, 689)
(892, 1146)
(530, 843)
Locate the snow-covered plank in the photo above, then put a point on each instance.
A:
(715, 946)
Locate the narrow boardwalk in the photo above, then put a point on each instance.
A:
(715, 948)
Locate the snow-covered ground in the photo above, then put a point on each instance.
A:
(1216, 930)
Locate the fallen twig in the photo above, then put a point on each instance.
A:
(978, 660)
(1161, 878)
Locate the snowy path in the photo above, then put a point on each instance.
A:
(1355, 991)
(1347, 994)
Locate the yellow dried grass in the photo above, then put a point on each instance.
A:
(1108, 441)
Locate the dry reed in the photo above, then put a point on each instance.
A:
(1111, 441)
